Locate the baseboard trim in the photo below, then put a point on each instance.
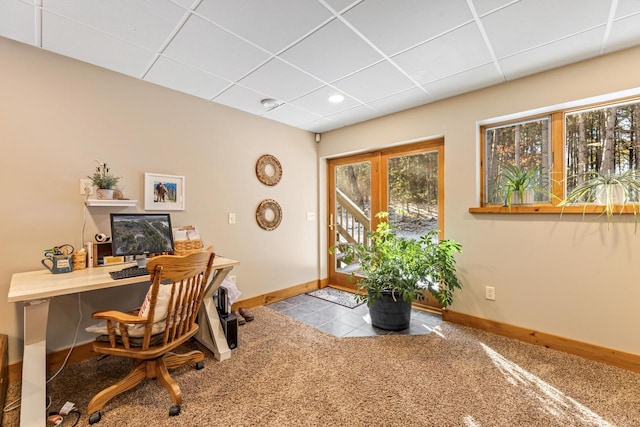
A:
(620, 359)
(56, 359)
(279, 295)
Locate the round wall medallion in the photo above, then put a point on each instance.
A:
(269, 170)
(268, 214)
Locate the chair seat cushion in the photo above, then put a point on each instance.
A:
(162, 308)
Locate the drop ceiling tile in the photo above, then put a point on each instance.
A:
(85, 44)
(319, 126)
(340, 5)
(467, 81)
(318, 102)
(146, 23)
(486, 6)
(280, 80)
(377, 81)
(242, 99)
(572, 49)
(290, 115)
(174, 75)
(458, 50)
(17, 21)
(546, 21)
(626, 8)
(332, 52)
(211, 49)
(271, 24)
(401, 101)
(353, 115)
(625, 33)
(187, 4)
(394, 28)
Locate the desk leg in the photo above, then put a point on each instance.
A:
(34, 364)
(211, 334)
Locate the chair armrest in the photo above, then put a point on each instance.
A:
(119, 316)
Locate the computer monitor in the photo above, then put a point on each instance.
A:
(141, 234)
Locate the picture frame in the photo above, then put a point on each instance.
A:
(164, 192)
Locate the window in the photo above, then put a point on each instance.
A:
(560, 150)
(603, 140)
(525, 145)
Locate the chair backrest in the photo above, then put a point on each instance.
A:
(184, 278)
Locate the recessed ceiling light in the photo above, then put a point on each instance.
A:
(270, 103)
(336, 99)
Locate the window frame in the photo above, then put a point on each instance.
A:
(557, 158)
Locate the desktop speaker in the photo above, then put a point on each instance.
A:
(230, 328)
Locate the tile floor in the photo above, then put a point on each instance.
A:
(347, 322)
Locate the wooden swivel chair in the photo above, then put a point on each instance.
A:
(148, 340)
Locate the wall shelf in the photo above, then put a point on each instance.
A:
(104, 202)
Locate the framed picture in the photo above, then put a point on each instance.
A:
(163, 192)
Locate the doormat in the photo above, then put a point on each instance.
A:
(345, 299)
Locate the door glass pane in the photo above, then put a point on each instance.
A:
(352, 218)
(413, 194)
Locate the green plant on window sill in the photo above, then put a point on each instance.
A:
(102, 178)
(406, 266)
(613, 191)
(518, 185)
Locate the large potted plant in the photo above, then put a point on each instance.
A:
(609, 190)
(104, 180)
(395, 271)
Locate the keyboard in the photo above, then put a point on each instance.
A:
(129, 272)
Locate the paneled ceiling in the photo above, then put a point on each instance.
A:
(382, 56)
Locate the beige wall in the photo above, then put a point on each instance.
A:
(57, 115)
(559, 275)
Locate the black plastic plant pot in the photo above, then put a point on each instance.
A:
(389, 314)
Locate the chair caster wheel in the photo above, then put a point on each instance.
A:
(199, 365)
(95, 417)
(174, 410)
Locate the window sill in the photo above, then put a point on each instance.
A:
(549, 209)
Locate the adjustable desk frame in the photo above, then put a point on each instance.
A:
(35, 289)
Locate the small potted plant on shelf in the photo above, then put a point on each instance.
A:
(104, 180)
(517, 185)
(395, 271)
(613, 191)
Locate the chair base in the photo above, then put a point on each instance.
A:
(154, 368)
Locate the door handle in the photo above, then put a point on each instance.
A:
(331, 222)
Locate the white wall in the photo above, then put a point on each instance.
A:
(57, 115)
(559, 275)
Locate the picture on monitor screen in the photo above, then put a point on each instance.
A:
(137, 234)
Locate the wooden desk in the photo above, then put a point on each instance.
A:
(36, 288)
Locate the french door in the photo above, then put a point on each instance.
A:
(406, 181)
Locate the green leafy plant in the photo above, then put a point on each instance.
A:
(101, 178)
(609, 190)
(518, 180)
(406, 266)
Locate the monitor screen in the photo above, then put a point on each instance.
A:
(138, 234)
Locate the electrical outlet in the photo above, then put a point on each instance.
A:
(311, 216)
(232, 218)
(86, 187)
(490, 293)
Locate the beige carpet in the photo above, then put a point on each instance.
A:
(285, 373)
